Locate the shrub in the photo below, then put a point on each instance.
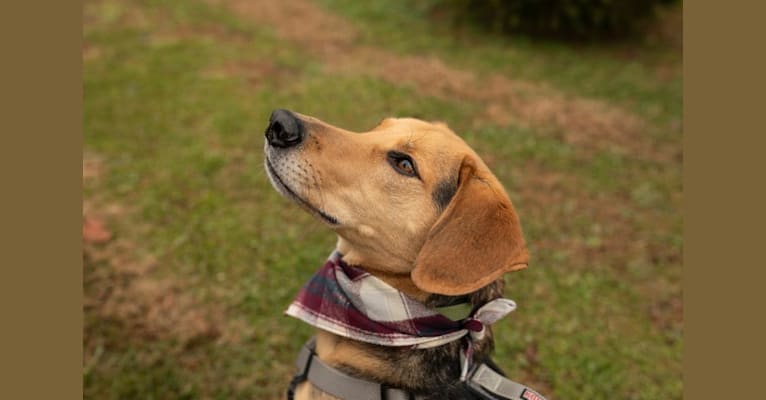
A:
(567, 19)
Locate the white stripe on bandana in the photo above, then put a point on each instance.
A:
(380, 302)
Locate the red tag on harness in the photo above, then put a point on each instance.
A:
(530, 395)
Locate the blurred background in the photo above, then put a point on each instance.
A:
(190, 257)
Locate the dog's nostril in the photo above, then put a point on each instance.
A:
(276, 127)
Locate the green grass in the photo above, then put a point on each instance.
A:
(180, 139)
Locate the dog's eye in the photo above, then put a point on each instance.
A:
(405, 166)
(402, 163)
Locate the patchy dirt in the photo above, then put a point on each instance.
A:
(556, 199)
(166, 34)
(429, 75)
(585, 123)
(667, 314)
(587, 227)
(122, 284)
(93, 231)
(90, 52)
(255, 73)
(92, 167)
(101, 13)
(152, 308)
(299, 21)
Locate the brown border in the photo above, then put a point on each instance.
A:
(723, 186)
(40, 171)
(41, 174)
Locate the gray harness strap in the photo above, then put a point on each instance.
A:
(485, 379)
(340, 384)
(482, 380)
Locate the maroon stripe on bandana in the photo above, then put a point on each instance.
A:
(352, 303)
(324, 297)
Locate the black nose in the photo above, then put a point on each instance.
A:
(284, 130)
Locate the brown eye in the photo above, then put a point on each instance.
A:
(406, 167)
(402, 163)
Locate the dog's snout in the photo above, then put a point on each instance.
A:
(284, 130)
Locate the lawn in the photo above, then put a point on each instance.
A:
(190, 257)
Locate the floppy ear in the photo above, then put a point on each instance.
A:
(475, 241)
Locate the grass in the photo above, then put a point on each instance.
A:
(186, 299)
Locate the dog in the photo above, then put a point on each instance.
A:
(414, 206)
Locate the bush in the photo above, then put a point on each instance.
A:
(567, 19)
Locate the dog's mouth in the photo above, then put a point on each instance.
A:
(290, 193)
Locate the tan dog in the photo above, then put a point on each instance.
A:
(413, 205)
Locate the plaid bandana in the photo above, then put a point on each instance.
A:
(352, 303)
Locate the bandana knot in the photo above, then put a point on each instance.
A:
(475, 328)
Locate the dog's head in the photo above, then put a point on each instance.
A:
(408, 197)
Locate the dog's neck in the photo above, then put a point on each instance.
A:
(383, 269)
(405, 368)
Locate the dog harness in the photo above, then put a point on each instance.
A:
(482, 380)
(352, 303)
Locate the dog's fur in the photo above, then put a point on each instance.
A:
(445, 235)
